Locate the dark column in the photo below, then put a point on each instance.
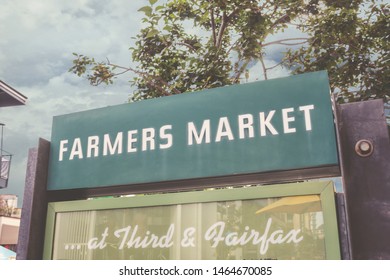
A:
(365, 159)
(342, 220)
(32, 225)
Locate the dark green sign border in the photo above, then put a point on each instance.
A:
(323, 188)
(278, 125)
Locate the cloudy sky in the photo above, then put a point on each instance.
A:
(37, 41)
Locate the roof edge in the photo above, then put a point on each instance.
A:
(13, 92)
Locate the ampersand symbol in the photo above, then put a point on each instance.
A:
(189, 239)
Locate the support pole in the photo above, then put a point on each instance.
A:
(365, 153)
(32, 225)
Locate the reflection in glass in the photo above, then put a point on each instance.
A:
(271, 228)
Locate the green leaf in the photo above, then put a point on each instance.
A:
(158, 8)
(147, 10)
(152, 1)
(151, 33)
(168, 28)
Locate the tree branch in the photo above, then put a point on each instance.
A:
(282, 42)
(147, 77)
(276, 65)
(213, 27)
(282, 19)
(240, 71)
(186, 45)
(222, 30)
(264, 68)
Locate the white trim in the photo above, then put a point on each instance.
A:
(13, 93)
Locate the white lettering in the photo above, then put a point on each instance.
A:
(216, 234)
(94, 243)
(148, 135)
(199, 138)
(166, 136)
(189, 239)
(287, 120)
(129, 238)
(63, 149)
(93, 145)
(125, 232)
(245, 126)
(162, 137)
(131, 141)
(224, 130)
(76, 149)
(265, 123)
(306, 110)
(109, 148)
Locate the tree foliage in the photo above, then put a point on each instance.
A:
(350, 39)
(190, 45)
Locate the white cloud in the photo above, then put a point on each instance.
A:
(38, 39)
(36, 46)
(40, 35)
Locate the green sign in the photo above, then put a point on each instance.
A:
(274, 125)
(291, 221)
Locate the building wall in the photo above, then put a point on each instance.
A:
(9, 229)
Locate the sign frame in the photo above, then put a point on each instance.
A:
(325, 189)
(79, 161)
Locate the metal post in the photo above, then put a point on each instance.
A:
(365, 150)
(32, 225)
(3, 182)
(1, 144)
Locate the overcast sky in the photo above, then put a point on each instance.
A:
(37, 41)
